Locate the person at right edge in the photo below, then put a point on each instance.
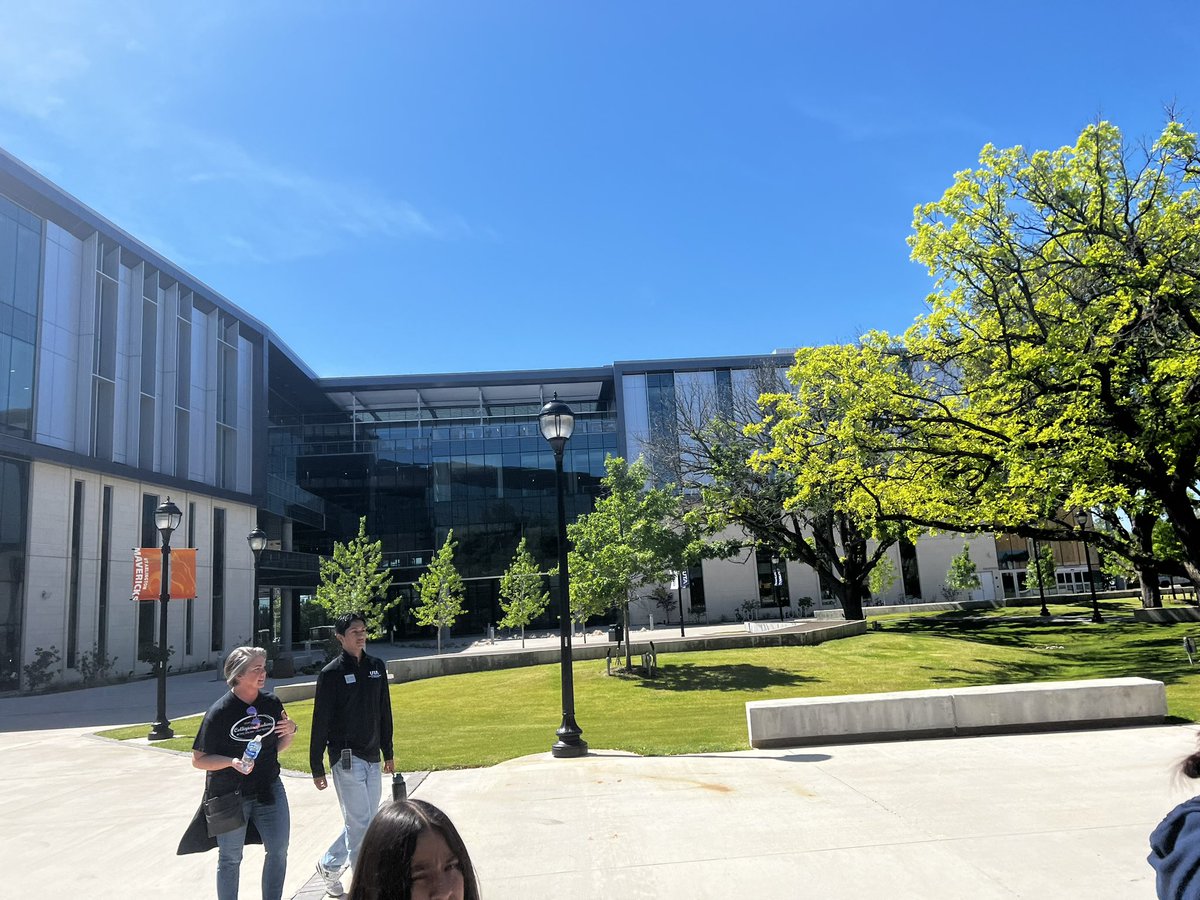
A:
(352, 723)
(1175, 844)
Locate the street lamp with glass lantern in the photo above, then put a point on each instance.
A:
(1081, 518)
(557, 423)
(166, 519)
(257, 539)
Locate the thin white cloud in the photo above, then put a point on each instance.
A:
(99, 82)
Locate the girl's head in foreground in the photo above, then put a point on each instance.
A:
(411, 851)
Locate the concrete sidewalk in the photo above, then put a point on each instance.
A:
(1042, 816)
(1039, 816)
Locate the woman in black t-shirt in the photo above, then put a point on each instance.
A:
(229, 725)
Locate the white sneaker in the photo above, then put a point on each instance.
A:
(333, 886)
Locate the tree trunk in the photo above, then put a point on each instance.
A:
(522, 637)
(1143, 534)
(1151, 596)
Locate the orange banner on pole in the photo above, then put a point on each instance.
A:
(147, 573)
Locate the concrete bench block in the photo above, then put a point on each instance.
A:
(1104, 702)
(1168, 614)
(822, 720)
(1107, 701)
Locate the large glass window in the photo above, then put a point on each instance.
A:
(772, 582)
(909, 570)
(73, 583)
(106, 508)
(20, 268)
(218, 580)
(147, 609)
(14, 487)
(189, 621)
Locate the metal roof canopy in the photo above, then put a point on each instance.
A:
(467, 390)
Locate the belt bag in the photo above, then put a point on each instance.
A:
(224, 813)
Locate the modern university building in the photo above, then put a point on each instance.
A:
(125, 381)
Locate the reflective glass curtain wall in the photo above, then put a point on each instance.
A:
(14, 493)
(20, 271)
(417, 474)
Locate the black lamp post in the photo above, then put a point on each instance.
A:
(776, 578)
(557, 423)
(166, 520)
(1081, 518)
(257, 539)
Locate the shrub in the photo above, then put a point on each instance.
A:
(40, 672)
(96, 667)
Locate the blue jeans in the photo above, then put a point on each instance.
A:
(274, 823)
(358, 795)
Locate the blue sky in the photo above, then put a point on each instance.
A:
(417, 187)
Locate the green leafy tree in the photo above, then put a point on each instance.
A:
(441, 591)
(664, 599)
(354, 580)
(962, 574)
(588, 595)
(1058, 367)
(882, 576)
(522, 594)
(725, 450)
(626, 543)
(1041, 573)
(1061, 356)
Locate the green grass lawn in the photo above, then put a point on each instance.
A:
(697, 702)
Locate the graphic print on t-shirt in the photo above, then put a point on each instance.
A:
(253, 723)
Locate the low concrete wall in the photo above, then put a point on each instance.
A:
(915, 607)
(456, 664)
(944, 712)
(1168, 614)
(419, 667)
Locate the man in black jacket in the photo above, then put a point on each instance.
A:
(352, 720)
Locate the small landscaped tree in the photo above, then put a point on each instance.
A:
(664, 599)
(588, 597)
(882, 576)
(523, 596)
(962, 574)
(441, 591)
(626, 543)
(1041, 572)
(354, 580)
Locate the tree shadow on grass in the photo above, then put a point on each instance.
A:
(1078, 650)
(732, 677)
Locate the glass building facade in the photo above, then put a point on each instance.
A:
(20, 268)
(420, 459)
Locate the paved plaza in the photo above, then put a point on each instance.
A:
(1045, 816)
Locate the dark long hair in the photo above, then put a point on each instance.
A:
(384, 868)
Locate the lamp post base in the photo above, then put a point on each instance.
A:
(564, 750)
(160, 732)
(570, 743)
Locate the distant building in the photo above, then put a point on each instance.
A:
(124, 380)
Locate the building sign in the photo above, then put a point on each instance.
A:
(147, 573)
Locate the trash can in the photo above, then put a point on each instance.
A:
(614, 634)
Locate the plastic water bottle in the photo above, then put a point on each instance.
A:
(252, 750)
